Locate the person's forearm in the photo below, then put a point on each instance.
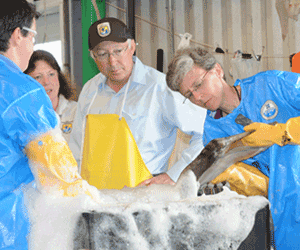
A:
(187, 156)
(266, 134)
(54, 166)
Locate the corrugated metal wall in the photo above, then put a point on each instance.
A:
(252, 26)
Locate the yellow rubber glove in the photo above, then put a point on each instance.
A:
(244, 179)
(267, 135)
(54, 166)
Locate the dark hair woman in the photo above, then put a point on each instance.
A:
(44, 68)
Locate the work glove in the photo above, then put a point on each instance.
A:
(54, 167)
(267, 134)
(244, 179)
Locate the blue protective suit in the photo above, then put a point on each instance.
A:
(25, 112)
(268, 97)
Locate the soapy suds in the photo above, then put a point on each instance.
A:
(224, 219)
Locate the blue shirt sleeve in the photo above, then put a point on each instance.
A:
(29, 116)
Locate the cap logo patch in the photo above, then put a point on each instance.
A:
(269, 110)
(103, 29)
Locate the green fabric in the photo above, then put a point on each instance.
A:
(89, 67)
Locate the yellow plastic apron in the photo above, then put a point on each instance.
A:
(111, 159)
(110, 156)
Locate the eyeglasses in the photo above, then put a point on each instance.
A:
(117, 53)
(188, 95)
(32, 31)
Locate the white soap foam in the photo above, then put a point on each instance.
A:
(53, 219)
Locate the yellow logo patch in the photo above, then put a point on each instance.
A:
(103, 29)
(66, 128)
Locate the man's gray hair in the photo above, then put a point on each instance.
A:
(183, 62)
(129, 43)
